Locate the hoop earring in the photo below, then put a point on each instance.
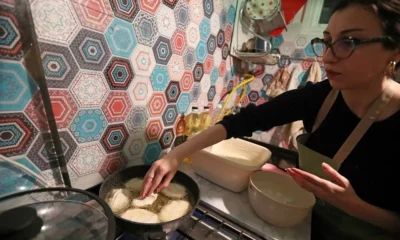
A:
(390, 70)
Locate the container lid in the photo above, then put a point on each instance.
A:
(55, 213)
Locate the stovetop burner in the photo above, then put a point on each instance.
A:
(206, 223)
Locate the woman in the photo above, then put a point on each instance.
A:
(357, 188)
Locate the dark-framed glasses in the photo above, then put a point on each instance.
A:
(342, 48)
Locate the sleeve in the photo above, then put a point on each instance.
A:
(288, 107)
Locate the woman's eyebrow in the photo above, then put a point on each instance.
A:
(347, 31)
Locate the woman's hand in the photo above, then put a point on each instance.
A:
(160, 174)
(338, 192)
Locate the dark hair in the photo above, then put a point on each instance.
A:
(389, 14)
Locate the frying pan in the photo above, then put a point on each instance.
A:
(144, 230)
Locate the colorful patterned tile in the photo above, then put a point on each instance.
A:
(166, 21)
(117, 106)
(170, 115)
(119, 73)
(218, 6)
(63, 105)
(287, 48)
(189, 58)
(181, 13)
(211, 44)
(43, 153)
(114, 138)
(214, 75)
(310, 52)
(220, 38)
(284, 61)
(267, 78)
(16, 87)
(89, 89)
(159, 78)
(183, 103)
(13, 179)
(176, 67)
(225, 51)
(173, 91)
(255, 85)
(208, 64)
(223, 19)
(146, 28)
(301, 41)
(208, 8)
(135, 146)
(88, 125)
(231, 15)
(205, 83)
(277, 41)
(205, 29)
(87, 159)
(113, 163)
(211, 93)
(198, 72)
(196, 11)
(201, 51)
(140, 90)
(150, 6)
(10, 44)
(153, 130)
(193, 35)
(178, 42)
(157, 104)
(170, 3)
(254, 96)
(90, 50)
(94, 14)
(195, 92)
(58, 64)
(222, 69)
(16, 134)
(137, 119)
(186, 81)
(55, 21)
(151, 153)
(202, 101)
(230, 86)
(143, 60)
(228, 34)
(127, 9)
(215, 26)
(162, 50)
(167, 138)
(217, 57)
(121, 38)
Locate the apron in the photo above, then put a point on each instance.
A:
(329, 222)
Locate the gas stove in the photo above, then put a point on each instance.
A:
(206, 223)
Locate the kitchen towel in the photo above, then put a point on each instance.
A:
(279, 83)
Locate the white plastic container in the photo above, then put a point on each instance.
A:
(230, 163)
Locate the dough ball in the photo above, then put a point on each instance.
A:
(139, 202)
(174, 210)
(141, 216)
(174, 190)
(119, 199)
(134, 184)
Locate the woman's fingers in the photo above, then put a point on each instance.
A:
(167, 180)
(337, 177)
(148, 181)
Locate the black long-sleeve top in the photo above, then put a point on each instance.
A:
(373, 167)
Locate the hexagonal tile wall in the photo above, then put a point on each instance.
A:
(220, 38)
(162, 50)
(88, 125)
(195, 93)
(310, 52)
(189, 58)
(64, 109)
(228, 34)
(137, 119)
(223, 19)
(55, 20)
(170, 114)
(214, 75)
(170, 3)
(143, 60)
(89, 89)
(117, 106)
(126, 10)
(10, 46)
(114, 138)
(205, 29)
(159, 78)
(181, 12)
(208, 64)
(16, 134)
(193, 35)
(135, 145)
(301, 41)
(222, 69)
(208, 8)
(121, 38)
(298, 54)
(146, 28)
(156, 104)
(151, 153)
(166, 21)
(94, 14)
(211, 93)
(113, 163)
(211, 44)
(201, 51)
(150, 6)
(287, 48)
(186, 81)
(284, 61)
(231, 15)
(153, 130)
(183, 103)
(90, 50)
(198, 72)
(58, 64)
(215, 26)
(139, 91)
(16, 87)
(119, 73)
(176, 67)
(43, 153)
(178, 42)
(87, 159)
(167, 138)
(173, 91)
(225, 51)
(196, 11)
(254, 96)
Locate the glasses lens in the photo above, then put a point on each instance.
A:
(319, 48)
(343, 48)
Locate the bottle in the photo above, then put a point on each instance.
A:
(205, 119)
(215, 115)
(192, 122)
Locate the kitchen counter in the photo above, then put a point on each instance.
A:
(236, 207)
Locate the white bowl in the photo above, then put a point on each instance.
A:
(278, 200)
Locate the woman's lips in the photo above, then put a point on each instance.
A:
(332, 73)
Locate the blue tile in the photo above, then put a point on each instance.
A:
(231, 15)
(88, 125)
(159, 78)
(201, 51)
(121, 38)
(151, 153)
(214, 75)
(205, 29)
(183, 103)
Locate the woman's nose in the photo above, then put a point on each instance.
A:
(329, 57)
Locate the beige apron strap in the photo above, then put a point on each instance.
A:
(368, 119)
(326, 106)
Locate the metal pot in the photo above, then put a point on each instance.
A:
(150, 231)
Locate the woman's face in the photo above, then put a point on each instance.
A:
(368, 62)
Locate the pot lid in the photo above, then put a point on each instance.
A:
(55, 213)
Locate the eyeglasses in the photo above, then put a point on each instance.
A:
(342, 48)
